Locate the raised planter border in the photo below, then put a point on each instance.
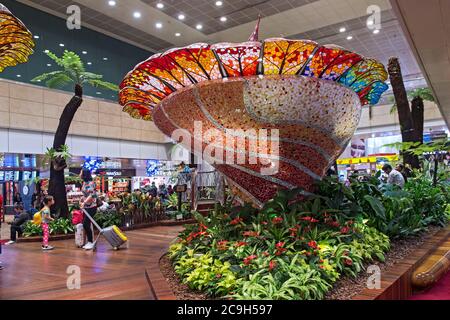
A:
(396, 281)
(61, 237)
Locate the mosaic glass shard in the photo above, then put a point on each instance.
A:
(16, 41)
(312, 95)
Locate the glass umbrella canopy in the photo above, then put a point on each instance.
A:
(16, 41)
(309, 95)
(162, 74)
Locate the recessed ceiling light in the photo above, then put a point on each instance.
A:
(158, 25)
(98, 92)
(61, 44)
(39, 80)
(343, 29)
(160, 5)
(349, 37)
(181, 17)
(84, 52)
(112, 3)
(36, 37)
(177, 34)
(137, 14)
(219, 3)
(199, 27)
(46, 51)
(105, 59)
(49, 64)
(376, 31)
(89, 63)
(223, 19)
(370, 22)
(19, 76)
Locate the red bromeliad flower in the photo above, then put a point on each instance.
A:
(250, 234)
(277, 220)
(314, 220)
(202, 227)
(345, 230)
(236, 221)
(280, 248)
(312, 244)
(241, 244)
(222, 245)
(334, 224)
(249, 259)
(294, 231)
(348, 262)
(306, 218)
(272, 265)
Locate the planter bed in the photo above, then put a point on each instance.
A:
(344, 289)
(135, 227)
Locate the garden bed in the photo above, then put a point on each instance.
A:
(344, 289)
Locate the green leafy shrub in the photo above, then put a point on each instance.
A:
(56, 227)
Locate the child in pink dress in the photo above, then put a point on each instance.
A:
(46, 219)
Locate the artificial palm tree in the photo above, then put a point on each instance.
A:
(72, 72)
(408, 131)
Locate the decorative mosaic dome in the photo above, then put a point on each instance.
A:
(311, 94)
(16, 41)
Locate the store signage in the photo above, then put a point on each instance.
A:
(112, 173)
(387, 158)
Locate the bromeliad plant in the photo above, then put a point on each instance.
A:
(284, 251)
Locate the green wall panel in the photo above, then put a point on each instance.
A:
(52, 31)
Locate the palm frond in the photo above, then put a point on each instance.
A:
(103, 85)
(54, 57)
(72, 61)
(424, 93)
(58, 81)
(393, 109)
(46, 76)
(91, 76)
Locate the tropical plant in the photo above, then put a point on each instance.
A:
(72, 72)
(108, 218)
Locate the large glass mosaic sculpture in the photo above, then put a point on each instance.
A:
(16, 42)
(311, 94)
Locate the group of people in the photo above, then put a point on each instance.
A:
(398, 176)
(161, 191)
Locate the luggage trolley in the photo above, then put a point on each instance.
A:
(113, 235)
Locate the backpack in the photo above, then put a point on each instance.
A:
(77, 217)
(37, 218)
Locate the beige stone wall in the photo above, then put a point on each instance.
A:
(381, 115)
(27, 107)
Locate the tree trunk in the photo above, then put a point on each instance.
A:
(404, 112)
(57, 187)
(417, 112)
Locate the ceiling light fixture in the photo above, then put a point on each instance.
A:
(219, 3)
(343, 29)
(181, 17)
(36, 37)
(224, 19)
(158, 25)
(177, 34)
(112, 3)
(84, 52)
(105, 59)
(49, 64)
(19, 76)
(349, 37)
(199, 27)
(376, 31)
(89, 63)
(160, 5)
(137, 14)
(61, 44)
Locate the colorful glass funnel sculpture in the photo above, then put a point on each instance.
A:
(16, 41)
(311, 94)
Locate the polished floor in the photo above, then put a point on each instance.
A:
(105, 274)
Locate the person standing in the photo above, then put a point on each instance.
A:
(89, 203)
(46, 219)
(394, 177)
